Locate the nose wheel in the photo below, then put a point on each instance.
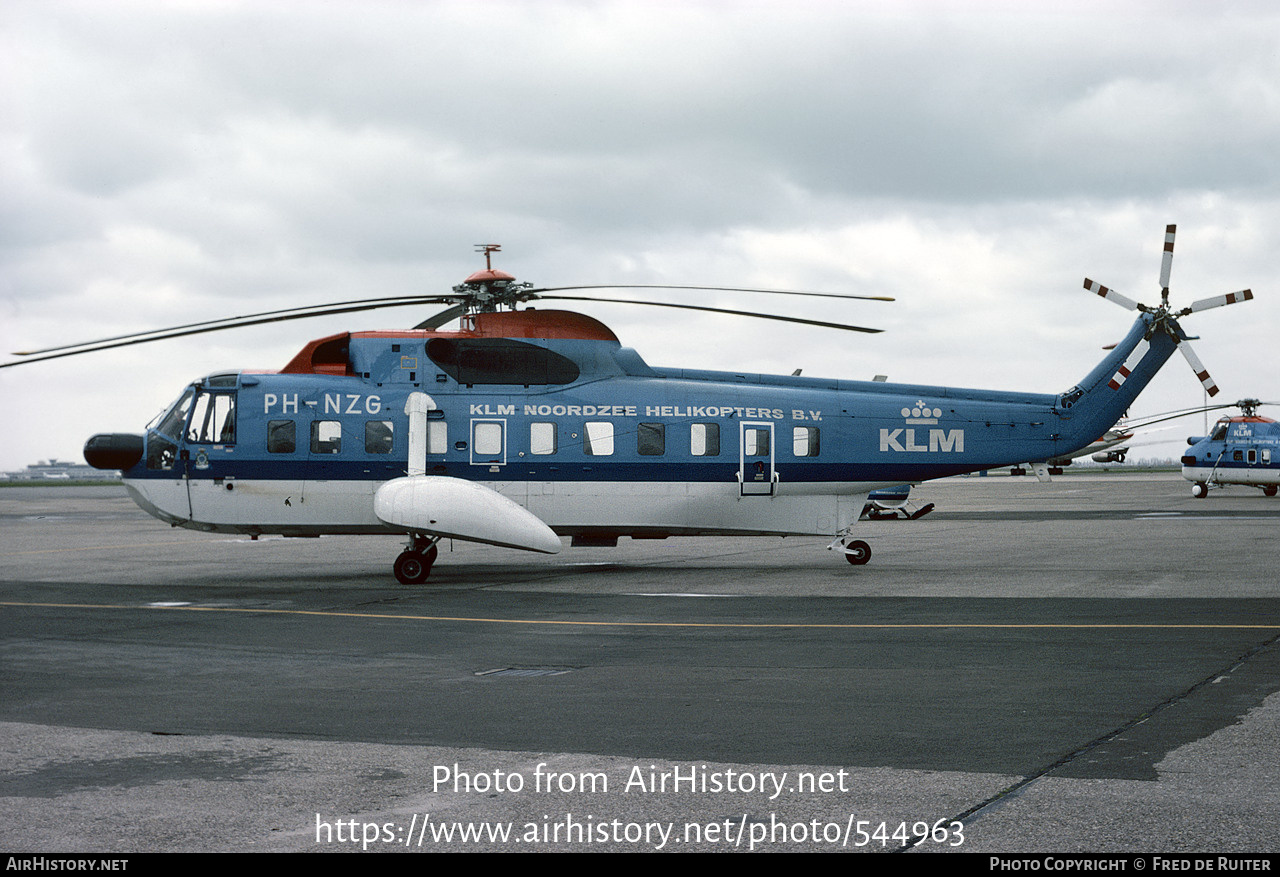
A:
(413, 566)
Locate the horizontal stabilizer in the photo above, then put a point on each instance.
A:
(437, 505)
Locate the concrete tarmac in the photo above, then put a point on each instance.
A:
(1086, 665)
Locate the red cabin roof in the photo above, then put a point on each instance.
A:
(329, 355)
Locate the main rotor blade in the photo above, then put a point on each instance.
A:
(297, 313)
(1166, 261)
(1198, 367)
(712, 289)
(435, 322)
(220, 325)
(1144, 422)
(1218, 301)
(1110, 294)
(664, 304)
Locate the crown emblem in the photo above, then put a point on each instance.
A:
(921, 413)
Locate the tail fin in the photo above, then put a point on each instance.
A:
(1091, 407)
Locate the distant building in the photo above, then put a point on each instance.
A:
(61, 470)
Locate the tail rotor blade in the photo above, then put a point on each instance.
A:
(1198, 367)
(1166, 262)
(1218, 301)
(1110, 295)
(1130, 363)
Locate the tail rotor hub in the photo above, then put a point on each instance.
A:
(1164, 319)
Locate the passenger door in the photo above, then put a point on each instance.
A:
(756, 473)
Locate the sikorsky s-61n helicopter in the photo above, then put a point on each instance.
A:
(524, 426)
(1244, 449)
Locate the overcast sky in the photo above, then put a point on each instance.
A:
(164, 162)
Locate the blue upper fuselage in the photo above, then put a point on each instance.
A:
(1236, 443)
(550, 395)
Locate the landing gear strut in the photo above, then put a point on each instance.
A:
(414, 563)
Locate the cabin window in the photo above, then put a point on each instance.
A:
(1266, 456)
(597, 439)
(755, 441)
(804, 441)
(651, 439)
(1237, 456)
(213, 419)
(486, 438)
(437, 437)
(542, 438)
(282, 437)
(326, 437)
(1253, 456)
(379, 436)
(704, 439)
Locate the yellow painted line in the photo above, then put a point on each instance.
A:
(705, 624)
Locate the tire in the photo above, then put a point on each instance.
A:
(1199, 490)
(411, 568)
(857, 552)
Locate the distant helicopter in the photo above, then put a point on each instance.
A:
(1110, 448)
(525, 426)
(1244, 449)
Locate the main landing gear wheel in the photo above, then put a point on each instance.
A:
(413, 566)
(1269, 491)
(857, 552)
(1199, 490)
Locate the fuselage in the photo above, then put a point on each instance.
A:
(548, 409)
(1239, 450)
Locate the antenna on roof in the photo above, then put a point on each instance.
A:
(487, 249)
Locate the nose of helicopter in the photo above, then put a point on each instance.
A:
(115, 450)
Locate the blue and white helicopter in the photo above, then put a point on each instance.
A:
(525, 426)
(1242, 449)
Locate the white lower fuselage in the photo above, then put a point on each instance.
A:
(569, 507)
(1261, 475)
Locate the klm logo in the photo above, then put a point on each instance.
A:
(944, 441)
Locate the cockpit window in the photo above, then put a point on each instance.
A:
(1219, 432)
(172, 421)
(213, 419)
